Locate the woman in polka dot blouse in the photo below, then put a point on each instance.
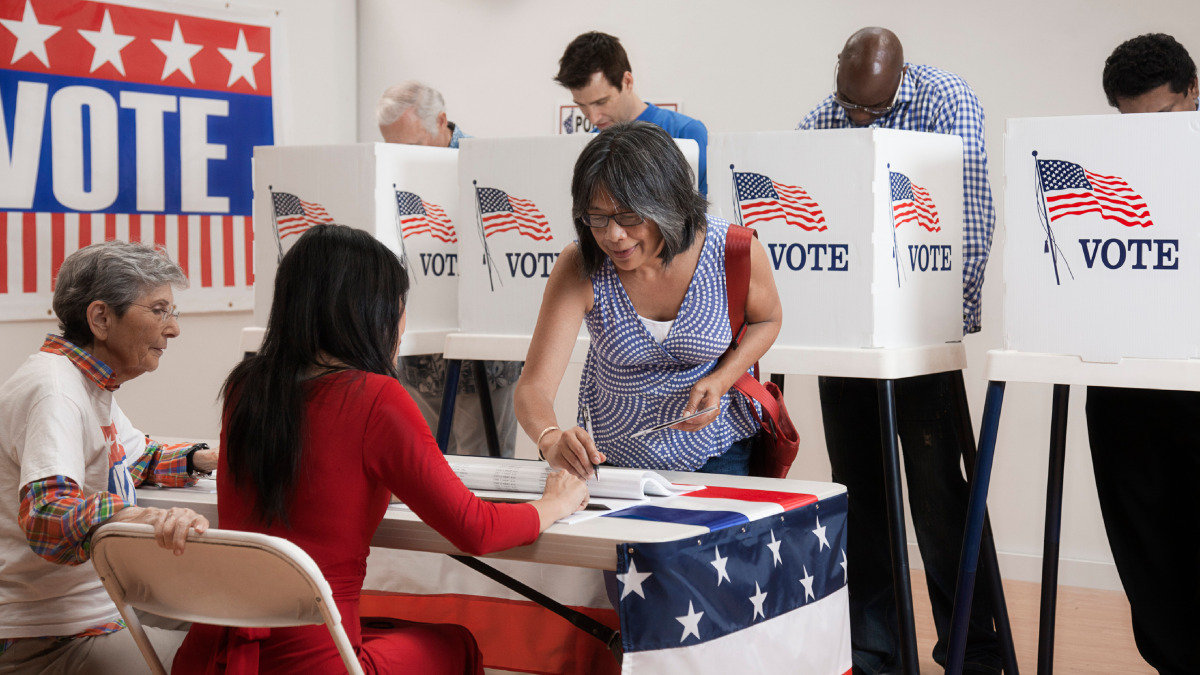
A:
(647, 275)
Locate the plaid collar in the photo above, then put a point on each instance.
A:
(93, 368)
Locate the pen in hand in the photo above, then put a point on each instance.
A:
(587, 426)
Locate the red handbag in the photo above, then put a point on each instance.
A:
(777, 441)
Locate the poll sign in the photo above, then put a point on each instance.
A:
(404, 195)
(127, 122)
(1102, 254)
(515, 199)
(862, 228)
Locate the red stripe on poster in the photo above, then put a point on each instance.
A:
(58, 233)
(29, 251)
(183, 245)
(160, 230)
(110, 226)
(249, 232)
(85, 229)
(3, 252)
(227, 250)
(135, 227)
(205, 252)
(513, 635)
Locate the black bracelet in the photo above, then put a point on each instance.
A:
(191, 468)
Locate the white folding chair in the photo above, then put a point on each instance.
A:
(225, 578)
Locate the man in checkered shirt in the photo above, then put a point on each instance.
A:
(875, 87)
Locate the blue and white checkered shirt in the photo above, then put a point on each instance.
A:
(937, 101)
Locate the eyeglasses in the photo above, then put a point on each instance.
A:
(599, 221)
(162, 314)
(873, 111)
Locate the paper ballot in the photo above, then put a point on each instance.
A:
(530, 477)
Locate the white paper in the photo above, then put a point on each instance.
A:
(521, 476)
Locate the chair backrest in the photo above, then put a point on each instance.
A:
(224, 577)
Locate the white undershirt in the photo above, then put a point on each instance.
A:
(658, 329)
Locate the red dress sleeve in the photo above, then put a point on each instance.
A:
(401, 453)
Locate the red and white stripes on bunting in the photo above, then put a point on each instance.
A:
(216, 253)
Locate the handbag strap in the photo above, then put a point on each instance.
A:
(737, 277)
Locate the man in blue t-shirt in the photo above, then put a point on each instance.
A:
(596, 71)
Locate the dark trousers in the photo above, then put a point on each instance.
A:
(937, 493)
(1146, 456)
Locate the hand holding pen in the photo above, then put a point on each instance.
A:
(587, 426)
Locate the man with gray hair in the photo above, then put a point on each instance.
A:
(413, 113)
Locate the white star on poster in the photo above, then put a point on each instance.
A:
(691, 622)
(31, 35)
(107, 44)
(820, 532)
(633, 580)
(774, 546)
(179, 54)
(720, 563)
(807, 580)
(241, 61)
(845, 570)
(758, 598)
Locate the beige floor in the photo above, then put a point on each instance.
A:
(1093, 633)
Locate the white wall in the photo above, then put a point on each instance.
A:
(754, 66)
(180, 398)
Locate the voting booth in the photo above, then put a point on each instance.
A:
(515, 196)
(863, 229)
(1100, 257)
(405, 195)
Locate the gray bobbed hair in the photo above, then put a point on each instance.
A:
(642, 168)
(114, 272)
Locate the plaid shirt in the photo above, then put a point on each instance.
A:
(937, 101)
(56, 515)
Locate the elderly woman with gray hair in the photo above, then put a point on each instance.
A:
(647, 275)
(70, 460)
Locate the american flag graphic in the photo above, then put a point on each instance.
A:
(911, 202)
(1071, 190)
(215, 252)
(418, 216)
(761, 199)
(501, 212)
(294, 215)
(141, 175)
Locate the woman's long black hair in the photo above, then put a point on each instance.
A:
(339, 294)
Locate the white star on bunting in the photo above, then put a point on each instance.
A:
(720, 563)
(774, 546)
(807, 580)
(241, 61)
(633, 580)
(179, 54)
(758, 598)
(31, 35)
(691, 622)
(845, 570)
(820, 532)
(107, 44)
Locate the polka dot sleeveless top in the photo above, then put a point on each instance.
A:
(631, 382)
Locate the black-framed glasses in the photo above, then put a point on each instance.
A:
(599, 221)
(870, 110)
(162, 313)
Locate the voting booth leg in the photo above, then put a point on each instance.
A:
(901, 579)
(976, 510)
(987, 551)
(485, 408)
(1054, 493)
(449, 396)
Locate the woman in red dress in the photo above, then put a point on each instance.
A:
(317, 434)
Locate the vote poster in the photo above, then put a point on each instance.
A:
(137, 122)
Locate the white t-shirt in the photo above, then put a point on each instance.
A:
(56, 421)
